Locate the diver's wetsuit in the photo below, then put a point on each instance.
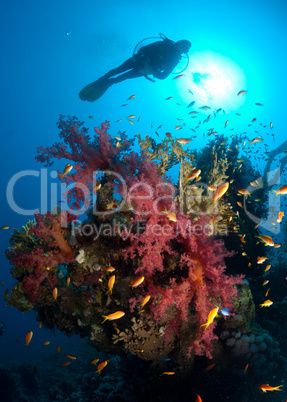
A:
(158, 58)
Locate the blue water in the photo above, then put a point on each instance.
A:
(50, 50)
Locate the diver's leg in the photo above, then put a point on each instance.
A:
(127, 65)
(129, 74)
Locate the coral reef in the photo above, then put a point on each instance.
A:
(139, 226)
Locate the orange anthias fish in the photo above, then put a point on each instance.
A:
(171, 215)
(198, 398)
(46, 343)
(101, 366)
(55, 294)
(111, 283)
(168, 373)
(241, 92)
(28, 338)
(178, 76)
(131, 97)
(267, 303)
(280, 216)
(183, 141)
(282, 190)
(145, 300)
(267, 387)
(260, 260)
(58, 349)
(137, 281)
(113, 316)
(267, 240)
(193, 175)
(67, 170)
(255, 140)
(220, 191)
(71, 357)
(211, 317)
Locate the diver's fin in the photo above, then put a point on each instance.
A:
(95, 90)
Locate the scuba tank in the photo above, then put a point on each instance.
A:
(163, 37)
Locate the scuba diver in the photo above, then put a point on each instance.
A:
(157, 59)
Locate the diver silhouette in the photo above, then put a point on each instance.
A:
(158, 59)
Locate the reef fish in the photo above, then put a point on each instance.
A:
(28, 338)
(243, 92)
(220, 191)
(101, 366)
(267, 303)
(67, 170)
(113, 316)
(267, 387)
(211, 317)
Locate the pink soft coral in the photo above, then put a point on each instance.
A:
(198, 280)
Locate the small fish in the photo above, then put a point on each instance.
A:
(183, 141)
(131, 97)
(168, 373)
(91, 117)
(71, 357)
(271, 124)
(198, 398)
(208, 368)
(58, 349)
(267, 303)
(124, 105)
(178, 127)
(40, 324)
(205, 107)
(258, 104)
(168, 135)
(189, 91)
(265, 282)
(110, 270)
(193, 175)
(267, 268)
(145, 300)
(255, 140)
(95, 361)
(66, 364)
(131, 116)
(191, 104)
(170, 97)
(225, 125)
(68, 281)
(28, 338)
(267, 387)
(178, 76)
(253, 120)
(46, 343)
(260, 260)
(165, 359)
(225, 312)
(267, 240)
(266, 294)
(113, 316)
(243, 192)
(211, 317)
(220, 191)
(55, 294)
(246, 367)
(137, 281)
(242, 92)
(5, 227)
(282, 190)
(111, 283)
(101, 366)
(67, 170)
